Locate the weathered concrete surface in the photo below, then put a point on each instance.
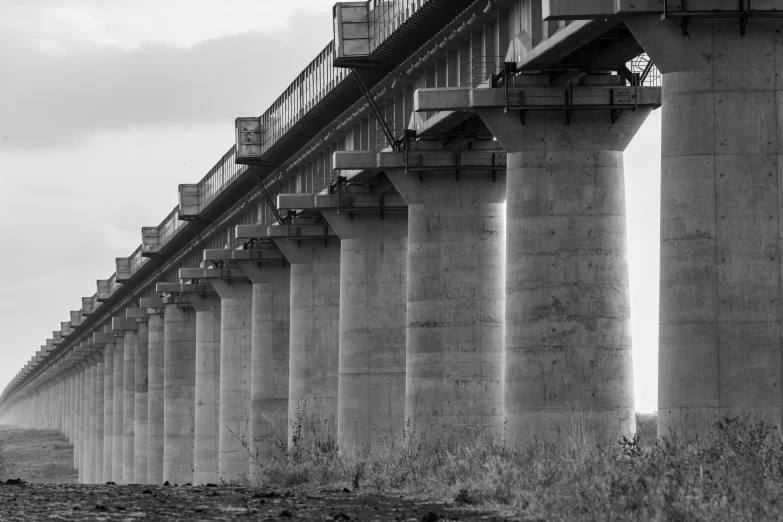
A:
(568, 351)
(236, 298)
(141, 404)
(84, 424)
(720, 301)
(129, 406)
(373, 304)
(68, 375)
(455, 300)
(77, 383)
(155, 324)
(314, 337)
(97, 428)
(117, 409)
(87, 468)
(179, 397)
(108, 407)
(205, 445)
(270, 338)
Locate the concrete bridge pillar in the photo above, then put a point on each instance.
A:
(314, 339)
(118, 408)
(207, 386)
(236, 298)
(454, 301)
(98, 417)
(270, 337)
(85, 458)
(567, 339)
(108, 404)
(720, 300)
(92, 422)
(155, 325)
(179, 392)
(68, 376)
(141, 382)
(373, 303)
(61, 404)
(129, 403)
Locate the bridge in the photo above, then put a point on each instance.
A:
(426, 233)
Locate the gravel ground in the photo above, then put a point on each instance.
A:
(74, 502)
(37, 482)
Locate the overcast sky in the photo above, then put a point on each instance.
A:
(106, 106)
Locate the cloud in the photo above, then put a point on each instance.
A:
(53, 100)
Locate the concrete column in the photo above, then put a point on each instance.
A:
(155, 397)
(98, 418)
(90, 423)
(108, 408)
(67, 421)
(454, 368)
(62, 403)
(129, 406)
(235, 335)
(720, 300)
(207, 388)
(313, 363)
(77, 424)
(373, 304)
(141, 432)
(74, 380)
(567, 323)
(84, 422)
(179, 393)
(270, 335)
(117, 409)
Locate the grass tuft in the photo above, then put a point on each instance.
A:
(733, 473)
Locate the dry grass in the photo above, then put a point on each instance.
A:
(40, 456)
(735, 473)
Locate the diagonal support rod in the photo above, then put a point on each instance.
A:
(268, 198)
(374, 108)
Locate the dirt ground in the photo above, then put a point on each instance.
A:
(42, 460)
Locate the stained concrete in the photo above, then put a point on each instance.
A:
(179, 397)
(720, 300)
(314, 338)
(235, 337)
(108, 407)
(207, 414)
(77, 384)
(373, 304)
(84, 424)
(117, 409)
(455, 300)
(141, 400)
(97, 422)
(270, 337)
(568, 351)
(129, 406)
(68, 400)
(156, 327)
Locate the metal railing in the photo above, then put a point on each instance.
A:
(309, 88)
(169, 227)
(386, 16)
(480, 69)
(646, 73)
(221, 175)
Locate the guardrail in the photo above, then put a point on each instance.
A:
(386, 16)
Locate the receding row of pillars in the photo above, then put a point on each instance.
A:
(451, 316)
